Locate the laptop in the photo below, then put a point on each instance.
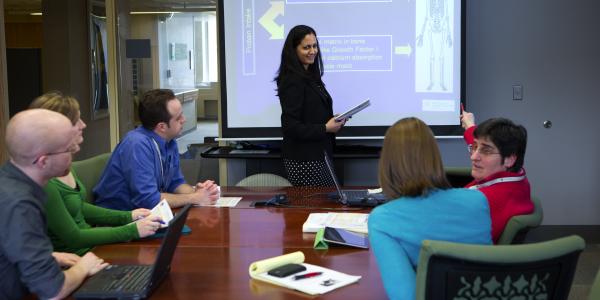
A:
(136, 281)
(353, 197)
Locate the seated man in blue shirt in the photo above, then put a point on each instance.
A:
(40, 144)
(144, 167)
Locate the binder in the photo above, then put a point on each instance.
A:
(351, 112)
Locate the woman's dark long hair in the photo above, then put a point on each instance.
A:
(290, 63)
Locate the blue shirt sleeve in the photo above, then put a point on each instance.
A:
(397, 272)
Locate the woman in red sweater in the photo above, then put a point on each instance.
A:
(497, 148)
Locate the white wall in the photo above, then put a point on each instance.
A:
(552, 48)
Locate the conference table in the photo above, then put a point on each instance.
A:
(212, 261)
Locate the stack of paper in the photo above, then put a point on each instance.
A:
(356, 222)
(328, 281)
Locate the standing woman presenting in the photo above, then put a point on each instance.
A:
(307, 117)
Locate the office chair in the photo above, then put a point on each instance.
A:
(458, 176)
(89, 172)
(595, 291)
(263, 179)
(517, 227)
(542, 270)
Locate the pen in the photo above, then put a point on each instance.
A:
(307, 275)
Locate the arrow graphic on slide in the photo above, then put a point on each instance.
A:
(268, 20)
(403, 50)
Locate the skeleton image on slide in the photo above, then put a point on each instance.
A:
(437, 33)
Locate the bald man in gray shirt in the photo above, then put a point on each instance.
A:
(40, 144)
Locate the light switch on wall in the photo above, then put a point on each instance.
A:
(517, 92)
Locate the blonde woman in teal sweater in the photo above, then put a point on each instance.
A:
(425, 206)
(70, 217)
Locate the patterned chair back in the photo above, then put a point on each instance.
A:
(532, 271)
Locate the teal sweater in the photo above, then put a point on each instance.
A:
(397, 229)
(71, 220)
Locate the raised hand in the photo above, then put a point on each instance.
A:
(467, 119)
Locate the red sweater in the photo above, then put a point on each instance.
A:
(506, 199)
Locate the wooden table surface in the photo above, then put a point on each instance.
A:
(212, 261)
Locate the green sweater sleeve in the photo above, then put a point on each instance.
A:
(100, 216)
(67, 226)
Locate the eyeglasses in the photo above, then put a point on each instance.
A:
(71, 149)
(483, 150)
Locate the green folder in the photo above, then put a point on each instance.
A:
(319, 242)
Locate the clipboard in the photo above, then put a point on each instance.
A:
(353, 110)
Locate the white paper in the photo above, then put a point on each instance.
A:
(226, 202)
(350, 221)
(163, 210)
(356, 222)
(375, 191)
(326, 282)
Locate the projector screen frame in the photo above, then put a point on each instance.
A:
(348, 132)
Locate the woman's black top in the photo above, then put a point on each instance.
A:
(306, 106)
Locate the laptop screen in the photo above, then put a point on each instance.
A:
(168, 246)
(329, 164)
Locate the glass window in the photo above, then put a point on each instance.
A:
(166, 44)
(189, 43)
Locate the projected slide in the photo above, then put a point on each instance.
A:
(403, 55)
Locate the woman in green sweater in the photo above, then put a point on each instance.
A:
(71, 219)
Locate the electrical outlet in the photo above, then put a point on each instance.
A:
(517, 92)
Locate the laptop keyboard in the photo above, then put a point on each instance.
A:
(357, 194)
(130, 278)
